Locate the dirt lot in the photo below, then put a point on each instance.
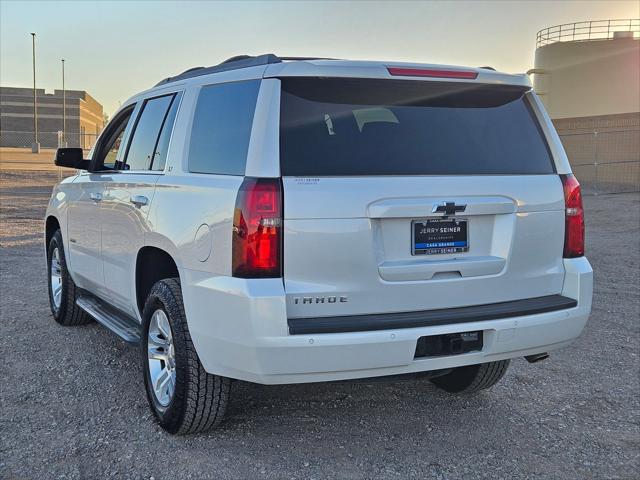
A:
(72, 403)
(12, 159)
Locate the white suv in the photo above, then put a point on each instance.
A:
(286, 220)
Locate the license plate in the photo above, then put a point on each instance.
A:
(439, 236)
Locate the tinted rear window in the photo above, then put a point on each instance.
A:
(222, 128)
(390, 127)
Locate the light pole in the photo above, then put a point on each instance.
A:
(35, 148)
(64, 110)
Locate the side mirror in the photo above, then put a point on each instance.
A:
(71, 158)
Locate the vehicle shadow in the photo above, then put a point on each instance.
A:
(373, 404)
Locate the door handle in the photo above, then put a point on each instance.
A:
(139, 200)
(96, 197)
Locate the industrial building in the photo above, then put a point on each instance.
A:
(84, 117)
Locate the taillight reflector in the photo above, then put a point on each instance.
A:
(423, 72)
(257, 229)
(573, 218)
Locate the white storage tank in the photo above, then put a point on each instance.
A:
(589, 68)
(588, 76)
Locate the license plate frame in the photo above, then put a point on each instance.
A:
(439, 243)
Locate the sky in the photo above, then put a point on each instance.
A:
(114, 49)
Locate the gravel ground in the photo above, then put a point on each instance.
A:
(72, 404)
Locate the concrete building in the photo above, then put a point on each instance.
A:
(588, 76)
(84, 117)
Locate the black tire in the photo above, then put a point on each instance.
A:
(200, 399)
(472, 378)
(67, 313)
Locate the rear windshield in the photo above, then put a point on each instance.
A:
(340, 127)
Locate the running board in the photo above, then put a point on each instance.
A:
(118, 322)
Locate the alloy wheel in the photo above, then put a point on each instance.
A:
(161, 358)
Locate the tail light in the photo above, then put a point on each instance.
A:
(257, 229)
(573, 218)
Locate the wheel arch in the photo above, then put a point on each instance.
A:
(152, 264)
(51, 225)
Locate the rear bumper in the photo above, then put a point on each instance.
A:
(430, 318)
(240, 330)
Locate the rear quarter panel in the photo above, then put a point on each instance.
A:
(192, 219)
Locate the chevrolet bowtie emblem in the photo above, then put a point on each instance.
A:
(448, 208)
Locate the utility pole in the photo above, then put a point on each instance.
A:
(35, 148)
(64, 110)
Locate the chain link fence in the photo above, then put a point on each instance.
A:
(605, 161)
(47, 139)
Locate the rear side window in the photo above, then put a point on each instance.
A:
(145, 135)
(159, 158)
(344, 127)
(222, 128)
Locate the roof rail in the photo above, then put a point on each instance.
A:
(233, 63)
(236, 58)
(306, 58)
